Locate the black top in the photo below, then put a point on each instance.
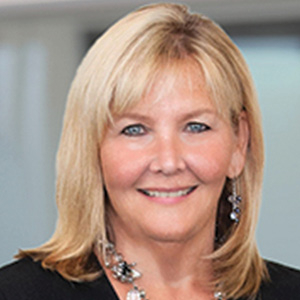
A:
(27, 280)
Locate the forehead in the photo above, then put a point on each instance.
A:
(178, 78)
(183, 86)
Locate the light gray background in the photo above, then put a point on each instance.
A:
(40, 48)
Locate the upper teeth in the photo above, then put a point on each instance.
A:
(168, 194)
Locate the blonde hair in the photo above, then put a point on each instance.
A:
(120, 67)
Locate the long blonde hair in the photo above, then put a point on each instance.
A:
(119, 68)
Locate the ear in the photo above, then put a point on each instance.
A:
(239, 154)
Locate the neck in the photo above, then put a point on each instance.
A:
(170, 269)
(171, 260)
(173, 266)
(170, 263)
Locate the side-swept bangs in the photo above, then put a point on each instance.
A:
(126, 61)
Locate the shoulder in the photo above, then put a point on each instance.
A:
(19, 278)
(28, 280)
(284, 283)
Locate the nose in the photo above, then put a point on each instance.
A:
(168, 156)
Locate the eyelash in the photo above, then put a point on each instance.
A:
(201, 127)
(126, 130)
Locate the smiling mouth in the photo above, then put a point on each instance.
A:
(163, 194)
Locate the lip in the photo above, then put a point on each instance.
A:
(159, 195)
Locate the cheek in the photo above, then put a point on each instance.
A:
(212, 160)
(121, 166)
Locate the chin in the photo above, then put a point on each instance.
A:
(171, 234)
(173, 238)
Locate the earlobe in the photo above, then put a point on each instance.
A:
(240, 153)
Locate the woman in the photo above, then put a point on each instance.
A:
(160, 163)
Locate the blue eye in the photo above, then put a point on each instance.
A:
(195, 127)
(134, 130)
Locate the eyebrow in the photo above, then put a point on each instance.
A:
(186, 116)
(136, 116)
(199, 112)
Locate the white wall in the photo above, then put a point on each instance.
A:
(275, 65)
(37, 62)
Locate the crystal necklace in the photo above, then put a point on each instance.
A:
(125, 273)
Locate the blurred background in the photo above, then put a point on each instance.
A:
(42, 43)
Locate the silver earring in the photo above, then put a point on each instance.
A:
(235, 200)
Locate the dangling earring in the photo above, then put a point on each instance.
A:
(235, 200)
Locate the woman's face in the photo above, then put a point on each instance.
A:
(165, 162)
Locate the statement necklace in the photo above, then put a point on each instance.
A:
(125, 273)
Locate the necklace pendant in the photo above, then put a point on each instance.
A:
(136, 294)
(133, 295)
